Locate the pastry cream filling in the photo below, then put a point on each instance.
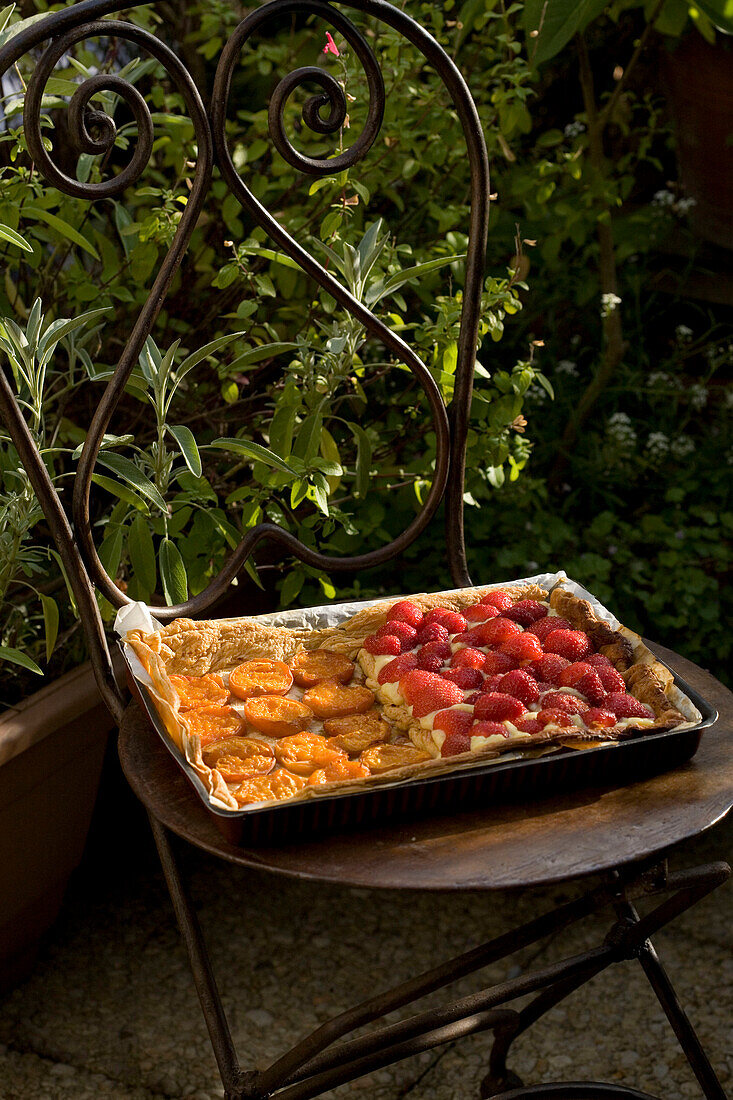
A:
(494, 741)
(391, 693)
(439, 737)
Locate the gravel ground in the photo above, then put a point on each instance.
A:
(110, 1011)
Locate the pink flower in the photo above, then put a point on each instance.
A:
(331, 46)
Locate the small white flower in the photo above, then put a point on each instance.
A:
(663, 198)
(657, 446)
(620, 431)
(698, 395)
(682, 446)
(574, 129)
(660, 380)
(684, 206)
(682, 332)
(567, 366)
(609, 304)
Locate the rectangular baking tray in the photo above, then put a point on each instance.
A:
(609, 765)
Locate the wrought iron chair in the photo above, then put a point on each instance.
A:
(623, 834)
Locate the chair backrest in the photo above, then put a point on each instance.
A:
(83, 21)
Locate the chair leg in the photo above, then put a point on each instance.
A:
(628, 938)
(238, 1085)
(690, 887)
(675, 1013)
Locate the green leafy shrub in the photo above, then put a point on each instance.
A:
(256, 398)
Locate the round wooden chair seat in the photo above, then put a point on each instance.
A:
(510, 845)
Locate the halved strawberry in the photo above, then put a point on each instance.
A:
(599, 718)
(451, 620)
(529, 725)
(498, 598)
(610, 678)
(453, 720)
(429, 661)
(598, 660)
(491, 683)
(498, 707)
(399, 629)
(549, 667)
(488, 729)
(466, 678)
(526, 612)
(573, 672)
(405, 611)
(383, 646)
(468, 658)
(545, 626)
(455, 744)
(590, 685)
(572, 644)
(551, 716)
(479, 613)
(426, 691)
(469, 637)
(496, 631)
(436, 649)
(565, 701)
(499, 662)
(396, 669)
(525, 647)
(431, 632)
(520, 685)
(624, 705)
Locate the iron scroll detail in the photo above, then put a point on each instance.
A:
(73, 24)
(332, 96)
(82, 116)
(451, 435)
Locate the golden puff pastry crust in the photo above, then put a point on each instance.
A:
(185, 647)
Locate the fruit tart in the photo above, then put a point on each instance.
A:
(401, 690)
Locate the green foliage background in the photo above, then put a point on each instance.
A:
(257, 398)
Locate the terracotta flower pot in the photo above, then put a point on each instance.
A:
(51, 752)
(699, 79)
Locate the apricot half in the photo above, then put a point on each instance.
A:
(212, 723)
(240, 758)
(276, 716)
(356, 732)
(304, 752)
(330, 700)
(198, 691)
(275, 787)
(312, 666)
(263, 677)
